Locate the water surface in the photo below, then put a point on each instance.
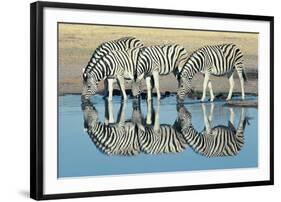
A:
(81, 154)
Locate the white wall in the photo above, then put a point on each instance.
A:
(14, 107)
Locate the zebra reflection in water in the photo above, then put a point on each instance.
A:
(215, 141)
(147, 135)
(110, 137)
(130, 137)
(156, 138)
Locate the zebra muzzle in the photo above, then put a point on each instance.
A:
(85, 98)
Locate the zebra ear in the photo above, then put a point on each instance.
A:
(84, 74)
(85, 77)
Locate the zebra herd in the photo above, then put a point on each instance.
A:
(128, 59)
(147, 135)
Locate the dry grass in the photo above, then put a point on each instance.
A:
(77, 43)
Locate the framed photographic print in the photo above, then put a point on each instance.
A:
(135, 100)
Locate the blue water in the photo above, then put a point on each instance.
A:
(79, 156)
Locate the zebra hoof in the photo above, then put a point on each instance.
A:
(228, 99)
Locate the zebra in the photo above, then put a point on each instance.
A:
(118, 65)
(133, 136)
(213, 141)
(156, 138)
(217, 60)
(110, 137)
(105, 48)
(154, 61)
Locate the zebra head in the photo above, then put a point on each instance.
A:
(184, 87)
(136, 114)
(89, 88)
(184, 118)
(136, 83)
(136, 88)
(90, 115)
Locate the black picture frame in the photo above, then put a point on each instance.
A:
(36, 99)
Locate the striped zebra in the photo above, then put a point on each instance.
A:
(155, 61)
(130, 137)
(217, 60)
(111, 138)
(156, 138)
(213, 141)
(105, 48)
(118, 65)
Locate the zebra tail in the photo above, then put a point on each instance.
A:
(244, 75)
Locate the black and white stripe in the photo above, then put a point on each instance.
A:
(119, 138)
(132, 136)
(115, 139)
(217, 60)
(164, 59)
(222, 141)
(115, 63)
(164, 140)
(218, 141)
(156, 138)
(106, 47)
(119, 65)
(159, 60)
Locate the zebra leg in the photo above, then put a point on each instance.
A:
(211, 91)
(242, 118)
(105, 87)
(121, 82)
(157, 85)
(110, 112)
(231, 115)
(231, 86)
(240, 130)
(156, 125)
(149, 113)
(211, 113)
(206, 119)
(106, 112)
(121, 114)
(110, 83)
(206, 80)
(242, 83)
(241, 124)
(148, 86)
